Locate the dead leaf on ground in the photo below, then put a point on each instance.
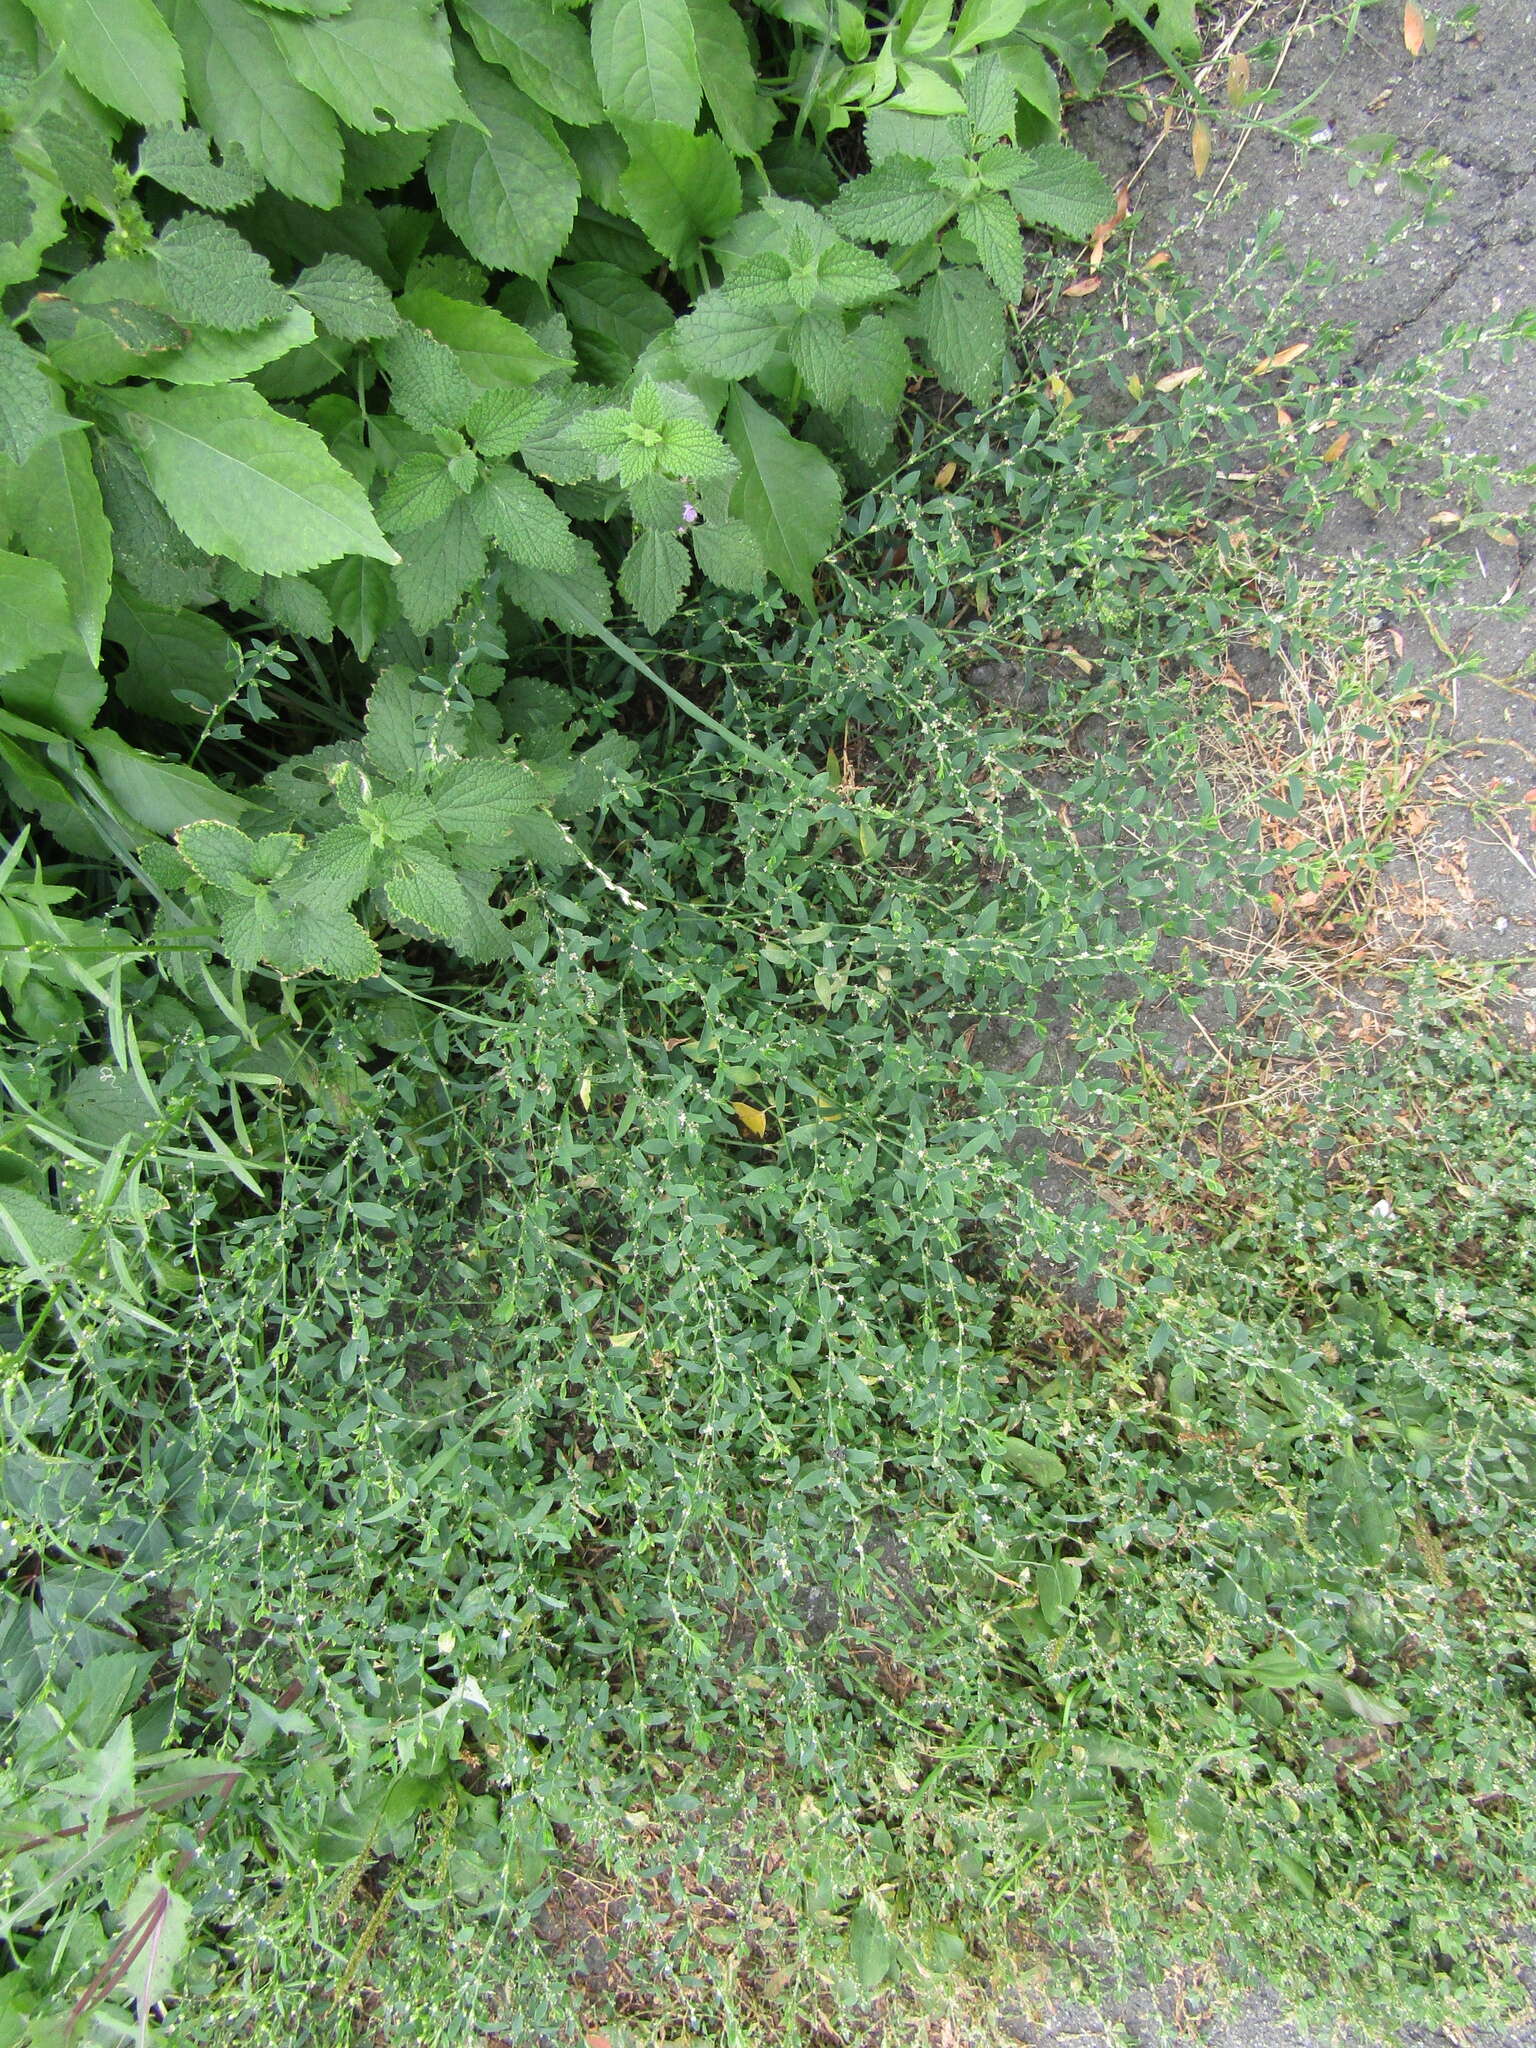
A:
(1175, 379)
(1281, 359)
(1106, 228)
(1413, 27)
(1239, 78)
(752, 1119)
(1336, 448)
(1082, 288)
(1200, 147)
(946, 476)
(1155, 262)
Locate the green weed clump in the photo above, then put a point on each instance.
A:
(609, 1465)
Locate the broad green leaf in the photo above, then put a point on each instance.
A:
(16, 208)
(181, 160)
(788, 493)
(81, 159)
(727, 553)
(244, 93)
(992, 226)
(438, 564)
(723, 339)
(1056, 1587)
(543, 48)
(991, 99)
(169, 651)
(61, 691)
(393, 733)
(819, 349)
(568, 598)
(847, 276)
(474, 801)
(35, 615)
(148, 548)
(121, 51)
(1057, 187)
(214, 358)
(646, 59)
(523, 521)
(348, 299)
(220, 853)
(896, 202)
(362, 596)
(380, 62)
(419, 489)
(540, 839)
(294, 937)
(1033, 80)
(654, 576)
(33, 1234)
(424, 890)
(679, 188)
(613, 316)
(294, 603)
(1174, 31)
(744, 116)
(491, 349)
(427, 386)
(985, 21)
(869, 1947)
(884, 363)
(58, 500)
(244, 481)
(965, 329)
(926, 91)
(1029, 1461)
(212, 277)
(509, 189)
(161, 796)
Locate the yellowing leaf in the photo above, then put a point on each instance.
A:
(752, 1120)
(1156, 262)
(945, 477)
(1239, 78)
(1336, 448)
(1281, 358)
(1284, 418)
(1177, 378)
(1134, 385)
(1413, 27)
(1200, 147)
(1082, 288)
(1059, 389)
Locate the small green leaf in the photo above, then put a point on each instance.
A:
(819, 350)
(242, 480)
(523, 521)
(427, 384)
(679, 188)
(568, 598)
(654, 576)
(992, 226)
(362, 598)
(991, 98)
(1041, 1467)
(34, 612)
(1057, 187)
(181, 160)
(869, 1946)
(896, 202)
(348, 299)
(1056, 1587)
(419, 489)
(492, 350)
(424, 890)
(439, 563)
(218, 852)
(721, 338)
(727, 553)
(788, 493)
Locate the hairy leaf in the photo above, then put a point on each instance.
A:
(965, 329)
(523, 521)
(508, 189)
(181, 159)
(439, 563)
(1057, 187)
(348, 299)
(212, 277)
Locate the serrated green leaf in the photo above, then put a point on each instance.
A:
(181, 159)
(438, 564)
(654, 576)
(212, 277)
(148, 548)
(884, 363)
(338, 866)
(29, 414)
(293, 938)
(474, 801)
(965, 330)
(491, 349)
(362, 598)
(1058, 187)
(56, 502)
(390, 737)
(679, 188)
(214, 358)
(427, 385)
(567, 598)
(788, 494)
(16, 203)
(848, 277)
(819, 350)
(992, 226)
(348, 299)
(220, 853)
(81, 160)
(646, 60)
(743, 114)
(896, 202)
(540, 838)
(33, 1234)
(499, 422)
(119, 50)
(523, 521)
(721, 338)
(34, 612)
(425, 891)
(991, 100)
(244, 481)
(243, 92)
(379, 62)
(508, 190)
(295, 604)
(544, 49)
(613, 315)
(727, 553)
(419, 489)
